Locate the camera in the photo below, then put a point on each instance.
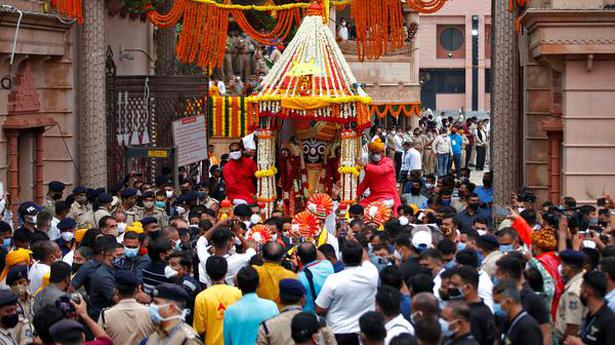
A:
(526, 195)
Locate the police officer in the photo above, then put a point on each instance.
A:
(128, 321)
(8, 316)
(104, 209)
(129, 205)
(597, 328)
(54, 193)
(151, 210)
(66, 242)
(150, 224)
(80, 206)
(166, 312)
(570, 309)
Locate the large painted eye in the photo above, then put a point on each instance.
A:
(306, 148)
(321, 149)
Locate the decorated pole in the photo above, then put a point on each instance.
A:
(265, 175)
(349, 171)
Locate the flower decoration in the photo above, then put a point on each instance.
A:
(304, 224)
(320, 204)
(377, 212)
(260, 233)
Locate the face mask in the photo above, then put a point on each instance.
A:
(178, 245)
(285, 233)
(170, 273)
(247, 224)
(154, 313)
(481, 232)
(168, 193)
(593, 221)
(30, 219)
(498, 311)
(487, 183)
(76, 267)
(161, 204)
(20, 290)
(180, 210)
(6, 243)
(255, 219)
(148, 204)
(376, 157)
(495, 280)
(10, 321)
(473, 207)
(415, 191)
(505, 248)
(460, 246)
(455, 293)
(131, 253)
(445, 326)
(403, 220)
(235, 155)
(445, 202)
(393, 132)
(428, 186)
(67, 236)
(274, 237)
(121, 227)
(449, 265)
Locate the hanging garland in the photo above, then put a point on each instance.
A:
(229, 117)
(379, 23)
(69, 8)
(382, 110)
(426, 6)
(286, 20)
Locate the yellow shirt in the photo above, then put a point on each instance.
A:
(269, 276)
(209, 308)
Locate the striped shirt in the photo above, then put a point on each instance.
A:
(153, 275)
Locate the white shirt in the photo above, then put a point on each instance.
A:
(342, 32)
(220, 86)
(398, 141)
(347, 295)
(485, 288)
(437, 282)
(415, 159)
(54, 233)
(442, 145)
(397, 326)
(235, 262)
(37, 271)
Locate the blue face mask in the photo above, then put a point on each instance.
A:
(6, 244)
(593, 221)
(445, 202)
(495, 280)
(131, 253)
(154, 314)
(444, 326)
(449, 265)
(498, 311)
(161, 204)
(505, 248)
(460, 246)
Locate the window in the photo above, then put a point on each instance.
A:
(450, 42)
(487, 80)
(450, 81)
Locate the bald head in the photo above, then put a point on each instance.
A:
(307, 252)
(273, 252)
(426, 303)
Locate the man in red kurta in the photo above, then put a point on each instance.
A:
(238, 175)
(379, 178)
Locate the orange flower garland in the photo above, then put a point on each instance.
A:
(69, 8)
(426, 6)
(379, 24)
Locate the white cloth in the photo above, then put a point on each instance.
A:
(397, 326)
(70, 257)
(437, 282)
(220, 86)
(485, 288)
(398, 142)
(235, 262)
(414, 160)
(37, 271)
(442, 145)
(347, 295)
(54, 233)
(342, 33)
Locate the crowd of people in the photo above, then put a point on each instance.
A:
(418, 260)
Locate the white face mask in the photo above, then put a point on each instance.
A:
(403, 220)
(67, 236)
(121, 227)
(376, 157)
(148, 204)
(235, 155)
(169, 193)
(180, 210)
(255, 219)
(170, 273)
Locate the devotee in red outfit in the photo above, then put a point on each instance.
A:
(379, 178)
(238, 174)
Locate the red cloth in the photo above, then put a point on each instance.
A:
(550, 261)
(523, 230)
(380, 179)
(239, 178)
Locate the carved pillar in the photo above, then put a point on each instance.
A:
(504, 102)
(13, 156)
(38, 169)
(165, 41)
(554, 129)
(93, 118)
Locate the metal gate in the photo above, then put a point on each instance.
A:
(140, 112)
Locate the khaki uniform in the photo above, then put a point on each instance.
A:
(127, 322)
(429, 165)
(570, 310)
(132, 214)
(158, 213)
(276, 331)
(50, 205)
(99, 214)
(180, 334)
(23, 333)
(79, 212)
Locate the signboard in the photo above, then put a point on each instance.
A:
(190, 138)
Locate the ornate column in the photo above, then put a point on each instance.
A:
(39, 164)
(93, 140)
(13, 157)
(349, 172)
(504, 102)
(165, 42)
(265, 175)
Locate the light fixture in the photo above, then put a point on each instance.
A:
(474, 32)
(450, 54)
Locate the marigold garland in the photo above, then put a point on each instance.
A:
(382, 110)
(426, 6)
(69, 8)
(228, 117)
(379, 27)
